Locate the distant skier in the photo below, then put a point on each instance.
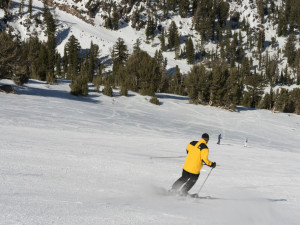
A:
(246, 141)
(197, 154)
(219, 139)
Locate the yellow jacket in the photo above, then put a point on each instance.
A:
(197, 152)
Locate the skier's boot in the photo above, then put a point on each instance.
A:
(183, 192)
(173, 191)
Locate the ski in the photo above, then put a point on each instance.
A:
(197, 196)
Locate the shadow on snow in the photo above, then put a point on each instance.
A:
(49, 93)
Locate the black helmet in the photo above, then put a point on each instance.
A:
(205, 136)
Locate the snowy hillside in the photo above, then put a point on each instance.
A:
(100, 160)
(87, 29)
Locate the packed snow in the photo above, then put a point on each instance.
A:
(102, 160)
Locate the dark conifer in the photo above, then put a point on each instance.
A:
(143, 72)
(254, 86)
(92, 61)
(183, 7)
(220, 75)
(58, 65)
(162, 40)
(190, 51)
(9, 52)
(290, 49)
(115, 18)
(150, 29)
(173, 38)
(177, 82)
(79, 86)
(30, 8)
(137, 45)
(72, 48)
(119, 56)
(234, 88)
(197, 83)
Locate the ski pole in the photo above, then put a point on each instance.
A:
(204, 181)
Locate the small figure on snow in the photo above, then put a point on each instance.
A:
(246, 141)
(219, 139)
(197, 153)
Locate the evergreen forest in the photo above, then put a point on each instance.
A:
(226, 77)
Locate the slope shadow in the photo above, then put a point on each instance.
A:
(243, 108)
(168, 96)
(122, 24)
(48, 93)
(15, 4)
(62, 35)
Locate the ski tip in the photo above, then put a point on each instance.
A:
(201, 197)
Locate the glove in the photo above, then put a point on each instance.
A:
(213, 165)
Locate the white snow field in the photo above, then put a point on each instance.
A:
(95, 160)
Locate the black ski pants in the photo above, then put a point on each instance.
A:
(187, 179)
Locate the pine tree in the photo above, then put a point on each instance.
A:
(9, 52)
(21, 7)
(158, 56)
(108, 23)
(65, 63)
(115, 18)
(222, 11)
(119, 52)
(245, 68)
(92, 60)
(290, 49)
(51, 43)
(197, 83)
(79, 86)
(255, 89)
(190, 51)
(260, 40)
(135, 18)
(149, 31)
(173, 38)
(107, 90)
(218, 89)
(260, 9)
(283, 101)
(282, 24)
(266, 102)
(177, 82)
(204, 18)
(119, 56)
(97, 81)
(137, 44)
(72, 49)
(183, 7)
(177, 47)
(295, 98)
(162, 41)
(297, 65)
(234, 87)
(42, 62)
(30, 8)
(58, 65)
(143, 73)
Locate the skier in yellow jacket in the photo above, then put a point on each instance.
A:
(197, 153)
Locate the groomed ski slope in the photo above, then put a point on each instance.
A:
(91, 160)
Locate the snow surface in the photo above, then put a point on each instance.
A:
(95, 160)
(2, 13)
